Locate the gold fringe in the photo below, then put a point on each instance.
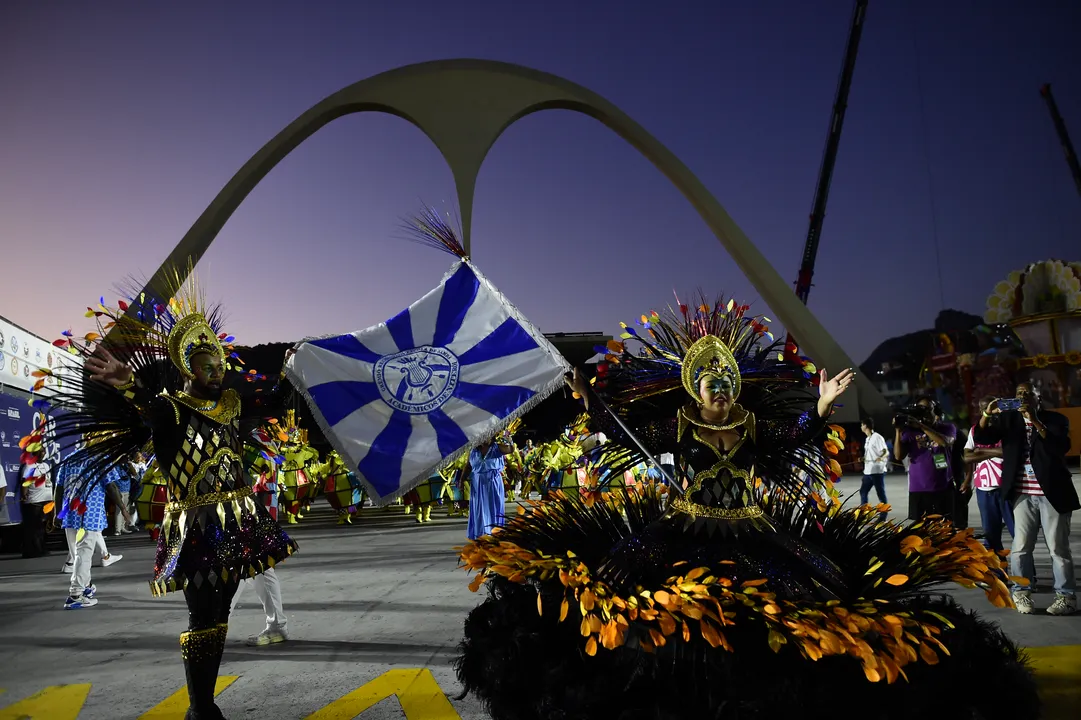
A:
(706, 600)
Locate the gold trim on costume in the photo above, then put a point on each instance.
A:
(205, 465)
(224, 410)
(173, 404)
(202, 644)
(214, 498)
(706, 353)
(689, 416)
(735, 472)
(694, 509)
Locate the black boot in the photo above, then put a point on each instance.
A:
(223, 632)
(201, 651)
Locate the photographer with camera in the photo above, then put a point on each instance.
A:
(921, 435)
(1039, 487)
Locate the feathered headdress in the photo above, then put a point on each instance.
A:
(156, 338)
(676, 349)
(660, 376)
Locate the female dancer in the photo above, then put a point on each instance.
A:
(738, 598)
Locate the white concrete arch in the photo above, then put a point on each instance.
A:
(463, 106)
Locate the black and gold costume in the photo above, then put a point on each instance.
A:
(745, 596)
(213, 533)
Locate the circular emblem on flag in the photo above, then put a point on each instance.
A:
(417, 381)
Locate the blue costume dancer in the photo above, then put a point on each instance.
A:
(487, 495)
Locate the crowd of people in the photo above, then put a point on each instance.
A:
(1013, 461)
(688, 525)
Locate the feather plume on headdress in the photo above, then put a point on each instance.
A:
(741, 342)
(659, 377)
(156, 338)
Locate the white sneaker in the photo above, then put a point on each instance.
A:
(1023, 602)
(269, 636)
(78, 603)
(1063, 605)
(110, 559)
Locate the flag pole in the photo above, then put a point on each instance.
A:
(645, 451)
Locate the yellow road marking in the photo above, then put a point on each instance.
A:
(174, 706)
(57, 702)
(1058, 676)
(417, 691)
(1057, 669)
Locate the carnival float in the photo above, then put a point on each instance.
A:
(1041, 304)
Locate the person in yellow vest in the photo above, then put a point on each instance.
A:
(340, 486)
(295, 479)
(456, 486)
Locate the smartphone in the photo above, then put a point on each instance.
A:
(1008, 404)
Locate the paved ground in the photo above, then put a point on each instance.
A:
(381, 600)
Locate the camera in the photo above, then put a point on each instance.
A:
(912, 416)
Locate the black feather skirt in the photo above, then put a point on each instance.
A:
(623, 610)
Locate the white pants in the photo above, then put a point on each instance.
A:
(118, 517)
(80, 554)
(99, 545)
(1030, 513)
(269, 590)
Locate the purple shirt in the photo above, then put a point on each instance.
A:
(928, 469)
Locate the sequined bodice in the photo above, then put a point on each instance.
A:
(208, 459)
(199, 452)
(717, 478)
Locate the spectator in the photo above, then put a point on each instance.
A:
(1039, 487)
(139, 465)
(123, 485)
(668, 465)
(83, 529)
(875, 464)
(921, 437)
(995, 511)
(36, 492)
(960, 480)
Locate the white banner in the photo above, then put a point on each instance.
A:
(21, 353)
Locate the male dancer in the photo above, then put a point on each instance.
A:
(166, 363)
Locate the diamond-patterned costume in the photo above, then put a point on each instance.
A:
(213, 528)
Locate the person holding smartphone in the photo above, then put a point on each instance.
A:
(1039, 487)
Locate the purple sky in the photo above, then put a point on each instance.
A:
(121, 121)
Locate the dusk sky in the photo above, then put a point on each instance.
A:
(120, 122)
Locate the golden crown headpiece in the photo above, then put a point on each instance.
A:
(709, 356)
(189, 336)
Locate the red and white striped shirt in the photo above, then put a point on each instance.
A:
(987, 475)
(1028, 484)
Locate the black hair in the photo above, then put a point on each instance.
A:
(869, 422)
(934, 405)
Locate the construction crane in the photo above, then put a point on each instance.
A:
(1063, 136)
(829, 159)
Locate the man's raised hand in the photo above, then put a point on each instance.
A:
(104, 368)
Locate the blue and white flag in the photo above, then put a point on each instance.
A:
(401, 399)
